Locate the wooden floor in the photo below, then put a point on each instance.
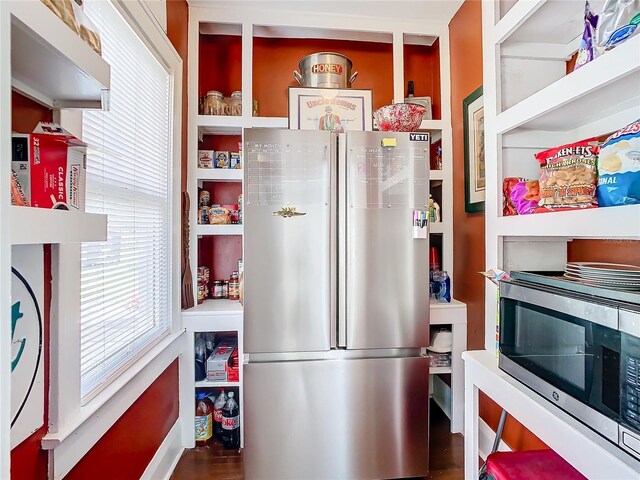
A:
(215, 463)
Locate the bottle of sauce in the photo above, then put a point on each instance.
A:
(234, 287)
(204, 419)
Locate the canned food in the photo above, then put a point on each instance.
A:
(225, 289)
(201, 292)
(203, 215)
(217, 289)
(203, 274)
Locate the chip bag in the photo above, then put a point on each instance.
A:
(568, 175)
(619, 168)
(525, 196)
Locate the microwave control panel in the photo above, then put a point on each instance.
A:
(631, 392)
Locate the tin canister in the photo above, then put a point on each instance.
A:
(325, 70)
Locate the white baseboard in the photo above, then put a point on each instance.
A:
(485, 440)
(166, 458)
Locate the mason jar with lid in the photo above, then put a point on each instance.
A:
(234, 106)
(214, 103)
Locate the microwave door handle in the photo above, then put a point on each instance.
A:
(593, 312)
(630, 322)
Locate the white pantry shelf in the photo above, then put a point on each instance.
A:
(50, 63)
(432, 125)
(219, 125)
(602, 88)
(439, 370)
(436, 175)
(269, 122)
(436, 227)
(219, 230)
(543, 22)
(214, 316)
(214, 384)
(621, 222)
(30, 225)
(219, 174)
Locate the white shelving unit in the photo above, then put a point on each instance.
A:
(50, 63)
(249, 23)
(43, 59)
(450, 398)
(532, 104)
(591, 454)
(31, 225)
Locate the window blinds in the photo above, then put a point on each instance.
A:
(125, 281)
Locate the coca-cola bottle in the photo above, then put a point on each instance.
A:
(231, 424)
(218, 405)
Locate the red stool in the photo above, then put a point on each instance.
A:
(530, 465)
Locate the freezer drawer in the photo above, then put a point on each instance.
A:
(288, 255)
(387, 270)
(336, 419)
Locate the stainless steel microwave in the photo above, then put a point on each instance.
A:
(579, 347)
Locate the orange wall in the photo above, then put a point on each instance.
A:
(465, 36)
(614, 251)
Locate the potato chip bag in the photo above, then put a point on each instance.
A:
(619, 168)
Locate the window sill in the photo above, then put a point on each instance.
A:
(98, 415)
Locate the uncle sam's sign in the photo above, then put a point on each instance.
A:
(27, 362)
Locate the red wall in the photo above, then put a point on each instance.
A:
(28, 460)
(126, 449)
(177, 31)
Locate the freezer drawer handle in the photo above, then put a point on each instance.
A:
(286, 212)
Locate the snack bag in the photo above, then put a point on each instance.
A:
(619, 168)
(568, 175)
(508, 208)
(618, 21)
(525, 196)
(586, 52)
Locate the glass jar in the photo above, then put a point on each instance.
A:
(234, 106)
(234, 287)
(225, 289)
(214, 103)
(217, 290)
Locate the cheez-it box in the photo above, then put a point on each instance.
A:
(56, 168)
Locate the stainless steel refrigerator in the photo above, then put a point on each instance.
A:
(336, 305)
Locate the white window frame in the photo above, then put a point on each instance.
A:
(75, 428)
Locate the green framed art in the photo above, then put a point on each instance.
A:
(474, 165)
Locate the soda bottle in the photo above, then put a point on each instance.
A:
(231, 424)
(218, 405)
(204, 419)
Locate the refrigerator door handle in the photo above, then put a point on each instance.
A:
(287, 212)
(342, 240)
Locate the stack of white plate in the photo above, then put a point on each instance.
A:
(609, 275)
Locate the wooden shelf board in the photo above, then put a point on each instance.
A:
(30, 225)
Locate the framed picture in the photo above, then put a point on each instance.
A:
(333, 109)
(474, 169)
